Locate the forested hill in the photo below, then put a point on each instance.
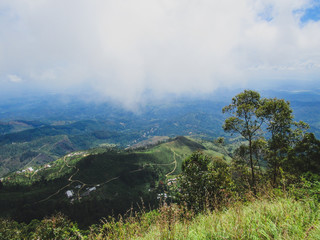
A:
(100, 181)
(43, 143)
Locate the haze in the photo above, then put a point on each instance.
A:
(126, 51)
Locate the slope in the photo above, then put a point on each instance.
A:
(88, 185)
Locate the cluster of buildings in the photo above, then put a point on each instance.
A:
(70, 193)
(75, 154)
(29, 169)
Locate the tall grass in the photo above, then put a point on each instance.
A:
(268, 218)
(282, 218)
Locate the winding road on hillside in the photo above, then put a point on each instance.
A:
(71, 180)
(175, 164)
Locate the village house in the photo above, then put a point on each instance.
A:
(69, 193)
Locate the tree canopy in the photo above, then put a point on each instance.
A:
(268, 126)
(245, 121)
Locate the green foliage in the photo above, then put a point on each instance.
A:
(287, 146)
(279, 219)
(204, 182)
(245, 121)
(243, 109)
(55, 227)
(265, 218)
(305, 155)
(308, 186)
(11, 230)
(279, 120)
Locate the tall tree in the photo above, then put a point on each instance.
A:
(305, 155)
(245, 122)
(279, 119)
(284, 133)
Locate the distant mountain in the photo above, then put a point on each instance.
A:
(42, 141)
(54, 125)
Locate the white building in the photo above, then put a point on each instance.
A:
(69, 193)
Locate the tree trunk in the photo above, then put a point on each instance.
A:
(252, 169)
(275, 168)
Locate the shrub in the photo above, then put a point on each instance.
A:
(205, 182)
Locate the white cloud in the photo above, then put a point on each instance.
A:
(123, 49)
(14, 78)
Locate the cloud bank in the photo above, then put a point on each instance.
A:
(124, 50)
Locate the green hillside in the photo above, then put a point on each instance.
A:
(101, 181)
(45, 143)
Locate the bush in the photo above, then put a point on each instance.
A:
(11, 230)
(308, 187)
(205, 182)
(57, 227)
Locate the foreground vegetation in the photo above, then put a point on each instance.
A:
(280, 218)
(268, 217)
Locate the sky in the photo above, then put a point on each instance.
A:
(127, 51)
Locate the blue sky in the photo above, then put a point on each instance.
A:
(312, 13)
(123, 50)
